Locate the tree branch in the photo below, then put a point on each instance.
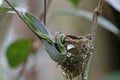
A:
(41, 17)
(97, 11)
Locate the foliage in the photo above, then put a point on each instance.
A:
(18, 52)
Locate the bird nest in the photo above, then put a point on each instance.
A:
(79, 50)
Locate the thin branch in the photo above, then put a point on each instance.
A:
(12, 7)
(45, 11)
(97, 11)
(15, 11)
(47, 6)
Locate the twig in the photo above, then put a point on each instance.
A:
(45, 5)
(97, 11)
(15, 11)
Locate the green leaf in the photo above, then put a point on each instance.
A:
(18, 52)
(4, 9)
(75, 2)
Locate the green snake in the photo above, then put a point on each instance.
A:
(54, 47)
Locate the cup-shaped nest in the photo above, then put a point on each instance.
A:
(79, 50)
